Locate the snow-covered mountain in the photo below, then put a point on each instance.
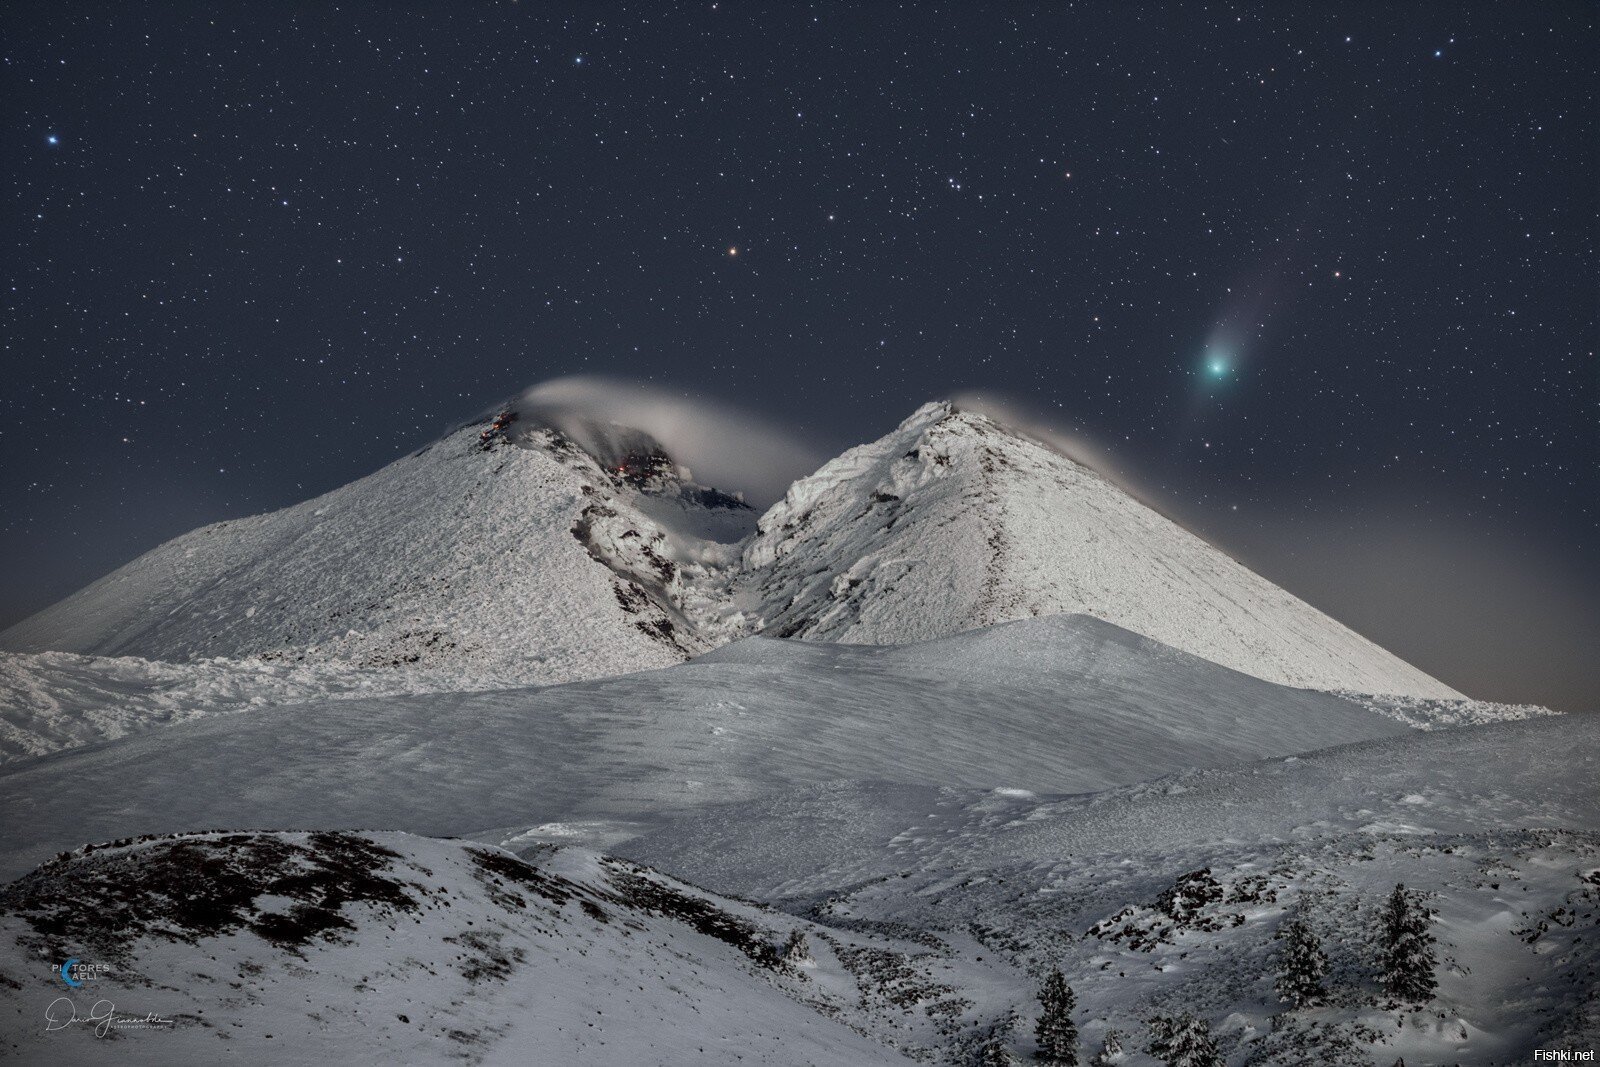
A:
(504, 549)
(831, 851)
(954, 521)
(528, 553)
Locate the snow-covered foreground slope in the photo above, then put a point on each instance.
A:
(928, 926)
(954, 521)
(1165, 898)
(1416, 783)
(341, 948)
(507, 549)
(513, 554)
(1066, 704)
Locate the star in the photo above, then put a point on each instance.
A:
(52, 139)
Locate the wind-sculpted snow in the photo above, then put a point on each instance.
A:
(953, 522)
(54, 700)
(1049, 705)
(1436, 714)
(1418, 783)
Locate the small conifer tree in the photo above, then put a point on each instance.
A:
(1184, 1041)
(1301, 964)
(1056, 1033)
(1111, 1052)
(996, 1054)
(1405, 954)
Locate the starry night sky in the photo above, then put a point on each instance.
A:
(1324, 279)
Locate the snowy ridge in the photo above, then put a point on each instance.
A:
(954, 522)
(528, 561)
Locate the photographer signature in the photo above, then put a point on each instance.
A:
(62, 1013)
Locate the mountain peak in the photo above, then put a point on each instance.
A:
(957, 520)
(929, 414)
(952, 417)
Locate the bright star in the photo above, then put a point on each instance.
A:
(52, 139)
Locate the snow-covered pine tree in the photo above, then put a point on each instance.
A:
(996, 1050)
(1184, 1041)
(1405, 954)
(1056, 1033)
(1301, 964)
(1111, 1052)
(996, 1054)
